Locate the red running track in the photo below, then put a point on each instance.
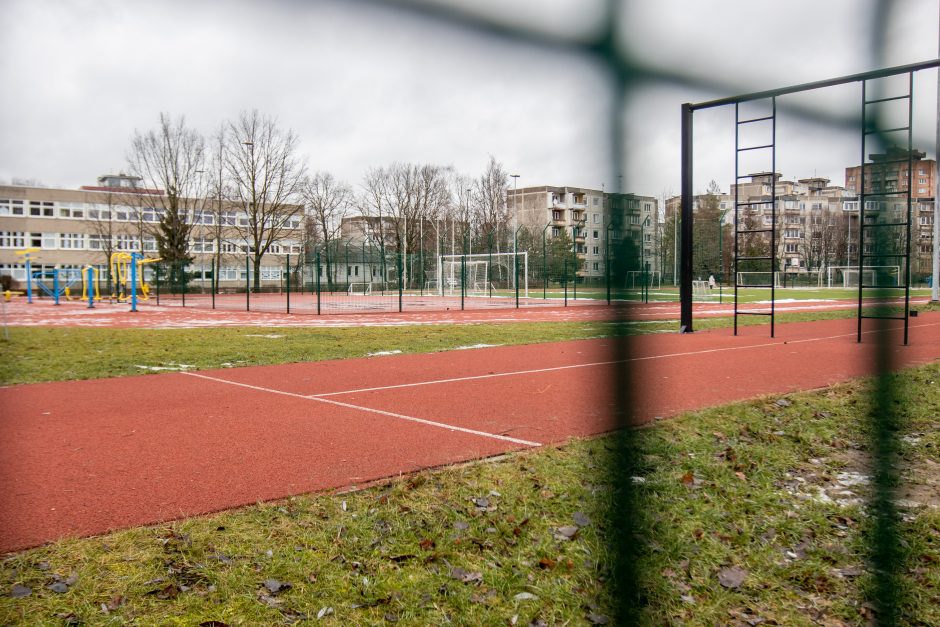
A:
(84, 457)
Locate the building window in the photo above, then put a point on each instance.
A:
(556, 215)
(39, 208)
(11, 207)
(790, 248)
(595, 204)
(597, 218)
(71, 240)
(12, 239)
(556, 231)
(597, 250)
(595, 234)
(596, 266)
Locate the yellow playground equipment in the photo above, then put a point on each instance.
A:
(124, 266)
(96, 295)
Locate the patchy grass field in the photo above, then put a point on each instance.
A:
(752, 514)
(60, 354)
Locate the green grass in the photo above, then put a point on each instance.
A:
(36, 354)
(736, 486)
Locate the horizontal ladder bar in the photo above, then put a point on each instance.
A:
(745, 231)
(884, 287)
(888, 99)
(765, 146)
(900, 192)
(752, 120)
(888, 130)
(880, 224)
(752, 203)
(760, 258)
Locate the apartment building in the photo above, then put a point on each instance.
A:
(584, 215)
(74, 228)
(818, 223)
(888, 172)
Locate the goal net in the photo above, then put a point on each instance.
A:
(871, 276)
(700, 290)
(359, 289)
(481, 274)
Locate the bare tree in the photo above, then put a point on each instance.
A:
(404, 198)
(327, 201)
(266, 175)
(171, 158)
(489, 204)
(104, 228)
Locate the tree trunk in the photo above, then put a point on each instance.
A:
(256, 263)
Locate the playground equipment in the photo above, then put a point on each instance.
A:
(26, 254)
(127, 270)
(90, 278)
(60, 284)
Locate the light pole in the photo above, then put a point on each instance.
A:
(515, 213)
(646, 291)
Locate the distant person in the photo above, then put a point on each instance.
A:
(711, 282)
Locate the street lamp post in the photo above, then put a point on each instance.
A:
(515, 214)
(644, 269)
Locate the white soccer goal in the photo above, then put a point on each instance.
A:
(359, 289)
(635, 278)
(872, 276)
(481, 273)
(699, 290)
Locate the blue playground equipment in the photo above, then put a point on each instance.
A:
(61, 281)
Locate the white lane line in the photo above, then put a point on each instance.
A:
(594, 364)
(431, 423)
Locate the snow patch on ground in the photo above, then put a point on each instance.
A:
(175, 368)
(472, 346)
(380, 353)
(270, 336)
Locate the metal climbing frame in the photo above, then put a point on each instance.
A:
(686, 247)
(757, 260)
(882, 246)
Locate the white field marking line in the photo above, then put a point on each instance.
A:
(592, 364)
(441, 425)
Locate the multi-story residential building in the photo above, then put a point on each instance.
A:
(888, 172)
(584, 215)
(76, 228)
(818, 223)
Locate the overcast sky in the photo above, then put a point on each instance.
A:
(365, 83)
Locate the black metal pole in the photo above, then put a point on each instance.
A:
(685, 266)
(215, 279)
(288, 282)
(247, 285)
(318, 282)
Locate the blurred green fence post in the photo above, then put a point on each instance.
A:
(564, 279)
(247, 285)
(287, 282)
(401, 279)
(318, 282)
(214, 285)
(463, 284)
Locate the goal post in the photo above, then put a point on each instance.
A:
(359, 289)
(870, 276)
(482, 274)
